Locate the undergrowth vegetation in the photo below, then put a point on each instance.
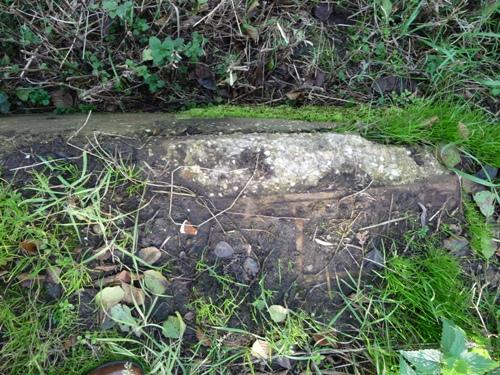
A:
(124, 54)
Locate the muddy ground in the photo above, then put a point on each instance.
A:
(306, 244)
(302, 243)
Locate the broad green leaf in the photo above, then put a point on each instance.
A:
(147, 54)
(122, 314)
(485, 200)
(426, 361)
(405, 368)
(278, 313)
(449, 155)
(174, 327)
(155, 282)
(109, 296)
(453, 341)
(23, 94)
(479, 364)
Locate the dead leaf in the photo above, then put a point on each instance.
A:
(30, 247)
(202, 338)
(109, 296)
(322, 11)
(324, 339)
(121, 277)
(252, 6)
(106, 268)
(261, 350)
(278, 313)
(150, 255)
(294, 94)
(429, 123)
(25, 276)
(62, 98)
(390, 84)
(463, 130)
(133, 295)
(70, 342)
(155, 282)
(102, 253)
(188, 229)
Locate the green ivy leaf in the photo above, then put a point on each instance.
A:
(453, 341)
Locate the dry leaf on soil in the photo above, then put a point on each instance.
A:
(121, 277)
(278, 313)
(133, 295)
(109, 296)
(188, 229)
(155, 282)
(30, 247)
(261, 349)
(150, 255)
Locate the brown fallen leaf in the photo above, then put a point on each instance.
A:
(463, 130)
(27, 280)
(121, 277)
(63, 98)
(324, 339)
(188, 229)
(106, 268)
(102, 253)
(202, 338)
(261, 350)
(294, 94)
(133, 295)
(150, 255)
(30, 247)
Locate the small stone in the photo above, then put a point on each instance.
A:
(251, 267)
(223, 250)
(54, 291)
(189, 316)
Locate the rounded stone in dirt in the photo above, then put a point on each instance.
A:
(251, 267)
(223, 250)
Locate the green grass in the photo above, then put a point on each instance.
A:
(422, 122)
(480, 231)
(403, 312)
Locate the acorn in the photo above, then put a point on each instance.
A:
(118, 368)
